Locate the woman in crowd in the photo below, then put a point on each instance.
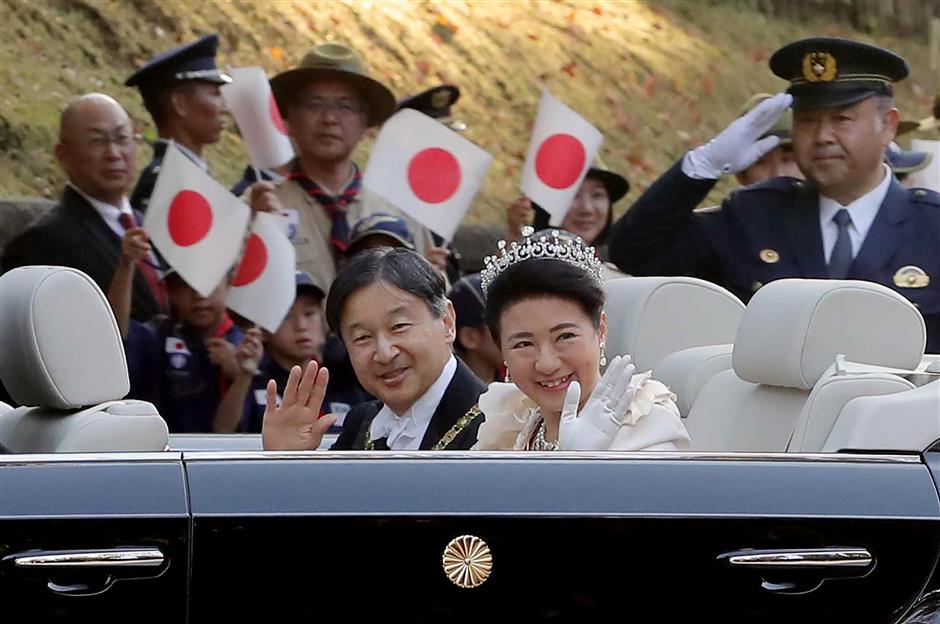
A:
(590, 213)
(545, 309)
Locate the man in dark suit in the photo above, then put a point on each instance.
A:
(97, 151)
(850, 220)
(390, 309)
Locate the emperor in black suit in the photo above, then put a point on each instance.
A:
(74, 234)
(389, 307)
(455, 418)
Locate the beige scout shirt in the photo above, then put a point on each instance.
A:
(312, 236)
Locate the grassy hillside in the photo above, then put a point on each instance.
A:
(656, 77)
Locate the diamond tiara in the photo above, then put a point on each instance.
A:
(558, 245)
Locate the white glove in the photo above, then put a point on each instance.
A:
(603, 414)
(737, 147)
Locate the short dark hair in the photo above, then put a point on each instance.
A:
(542, 277)
(400, 267)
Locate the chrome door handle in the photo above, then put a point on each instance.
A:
(800, 570)
(72, 559)
(803, 558)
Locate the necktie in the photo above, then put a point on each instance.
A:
(149, 273)
(841, 258)
(335, 207)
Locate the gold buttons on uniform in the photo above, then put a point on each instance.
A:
(770, 256)
(911, 276)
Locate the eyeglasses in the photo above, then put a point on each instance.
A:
(341, 107)
(101, 141)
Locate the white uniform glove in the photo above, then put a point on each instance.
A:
(737, 147)
(603, 414)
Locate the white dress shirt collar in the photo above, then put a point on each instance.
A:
(863, 212)
(109, 212)
(190, 154)
(405, 432)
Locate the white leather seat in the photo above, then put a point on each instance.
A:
(651, 317)
(791, 333)
(905, 421)
(62, 358)
(686, 372)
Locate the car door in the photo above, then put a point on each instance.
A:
(571, 537)
(93, 538)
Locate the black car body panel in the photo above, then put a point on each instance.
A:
(573, 537)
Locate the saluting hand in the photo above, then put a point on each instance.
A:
(296, 424)
(135, 246)
(739, 145)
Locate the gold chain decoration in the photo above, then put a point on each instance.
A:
(459, 426)
(452, 433)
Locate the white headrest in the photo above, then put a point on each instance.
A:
(59, 343)
(651, 317)
(793, 329)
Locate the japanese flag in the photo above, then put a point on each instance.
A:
(426, 169)
(195, 223)
(263, 288)
(248, 97)
(562, 148)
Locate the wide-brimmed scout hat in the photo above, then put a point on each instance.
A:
(335, 61)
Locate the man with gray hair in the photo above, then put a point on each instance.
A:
(96, 149)
(389, 307)
(850, 220)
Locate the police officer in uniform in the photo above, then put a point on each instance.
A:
(850, 220)
(180, 89)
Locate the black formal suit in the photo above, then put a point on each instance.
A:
(771, 230)
(459, 398)
(73, 234)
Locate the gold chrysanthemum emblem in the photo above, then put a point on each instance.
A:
(467, 561)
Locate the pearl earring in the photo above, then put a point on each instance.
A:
(506, 376)
(603, 355)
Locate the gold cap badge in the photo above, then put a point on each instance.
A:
(819, 67)
(467, 561)
(911, 276)
(770, 256)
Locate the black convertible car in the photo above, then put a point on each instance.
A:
(104, 517)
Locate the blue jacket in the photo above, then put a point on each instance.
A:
(661, 234)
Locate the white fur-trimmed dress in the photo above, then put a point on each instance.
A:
(652, 422)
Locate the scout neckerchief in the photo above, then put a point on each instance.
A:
(334, 205)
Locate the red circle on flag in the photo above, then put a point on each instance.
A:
(434, 175)
(276, 115)
(560, 160)
(253, 262)
(189, 219)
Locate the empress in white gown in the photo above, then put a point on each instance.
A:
(652, 422)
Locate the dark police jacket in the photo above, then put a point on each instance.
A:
(140, 198)
(455, 413)
(73, 234)
(771, 231)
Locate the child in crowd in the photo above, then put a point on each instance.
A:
(183, 363)
(474, 344)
